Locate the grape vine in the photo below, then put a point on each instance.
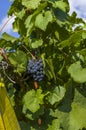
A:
(49, 85)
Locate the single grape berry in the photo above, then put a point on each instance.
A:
(35, 68)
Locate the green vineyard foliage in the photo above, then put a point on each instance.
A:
(46, 31)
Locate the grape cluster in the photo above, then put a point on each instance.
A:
(35, 68)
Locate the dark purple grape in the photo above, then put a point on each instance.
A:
(40, 61)
(36, 69)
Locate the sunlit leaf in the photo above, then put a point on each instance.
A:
(84, 35)
(33, 99)
(55, 125)
(31, 4)
(77, 72)
(62, 5)
(8, 37)
(42, 20)
(37, 43)
(77, 115)
(76, 118)
(29, 23)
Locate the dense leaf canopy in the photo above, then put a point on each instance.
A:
(46, 31)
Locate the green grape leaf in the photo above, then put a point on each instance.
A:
(57, 95)
(7, 37)
(18, 60)
(27, 113)
(50, 71)
(24, 125)
(83, 52)
(18, 26)
(29, 22)
(31, 4)
(62, 5)
(21, 14)
(77, 72)
(64, 43)
(75, 119)
(77, 116)
(73, 39)
(57, 35)
(37, 43)
(55, 125)
(84, 34)
(33, 99)
(42, 20)
(1, 58)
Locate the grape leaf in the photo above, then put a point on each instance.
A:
(42, 20)
(33, 99)
(37, 43)
(73, 39)
(57, 95)
(77, 116)
(17, 24)
(55, 125)
(31, 4)
(84, 34)
(29, 22)
(62, 5)
(21, 14)
(19, 63)
(77, 72)
(24, 125)
(8, 37)
(75, 119)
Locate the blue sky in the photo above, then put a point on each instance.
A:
(78, 6)
(4, 6)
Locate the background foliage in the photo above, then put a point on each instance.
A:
(46, 31)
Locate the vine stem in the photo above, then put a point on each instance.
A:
(4, 25)
(8, 77)
(29, 52)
